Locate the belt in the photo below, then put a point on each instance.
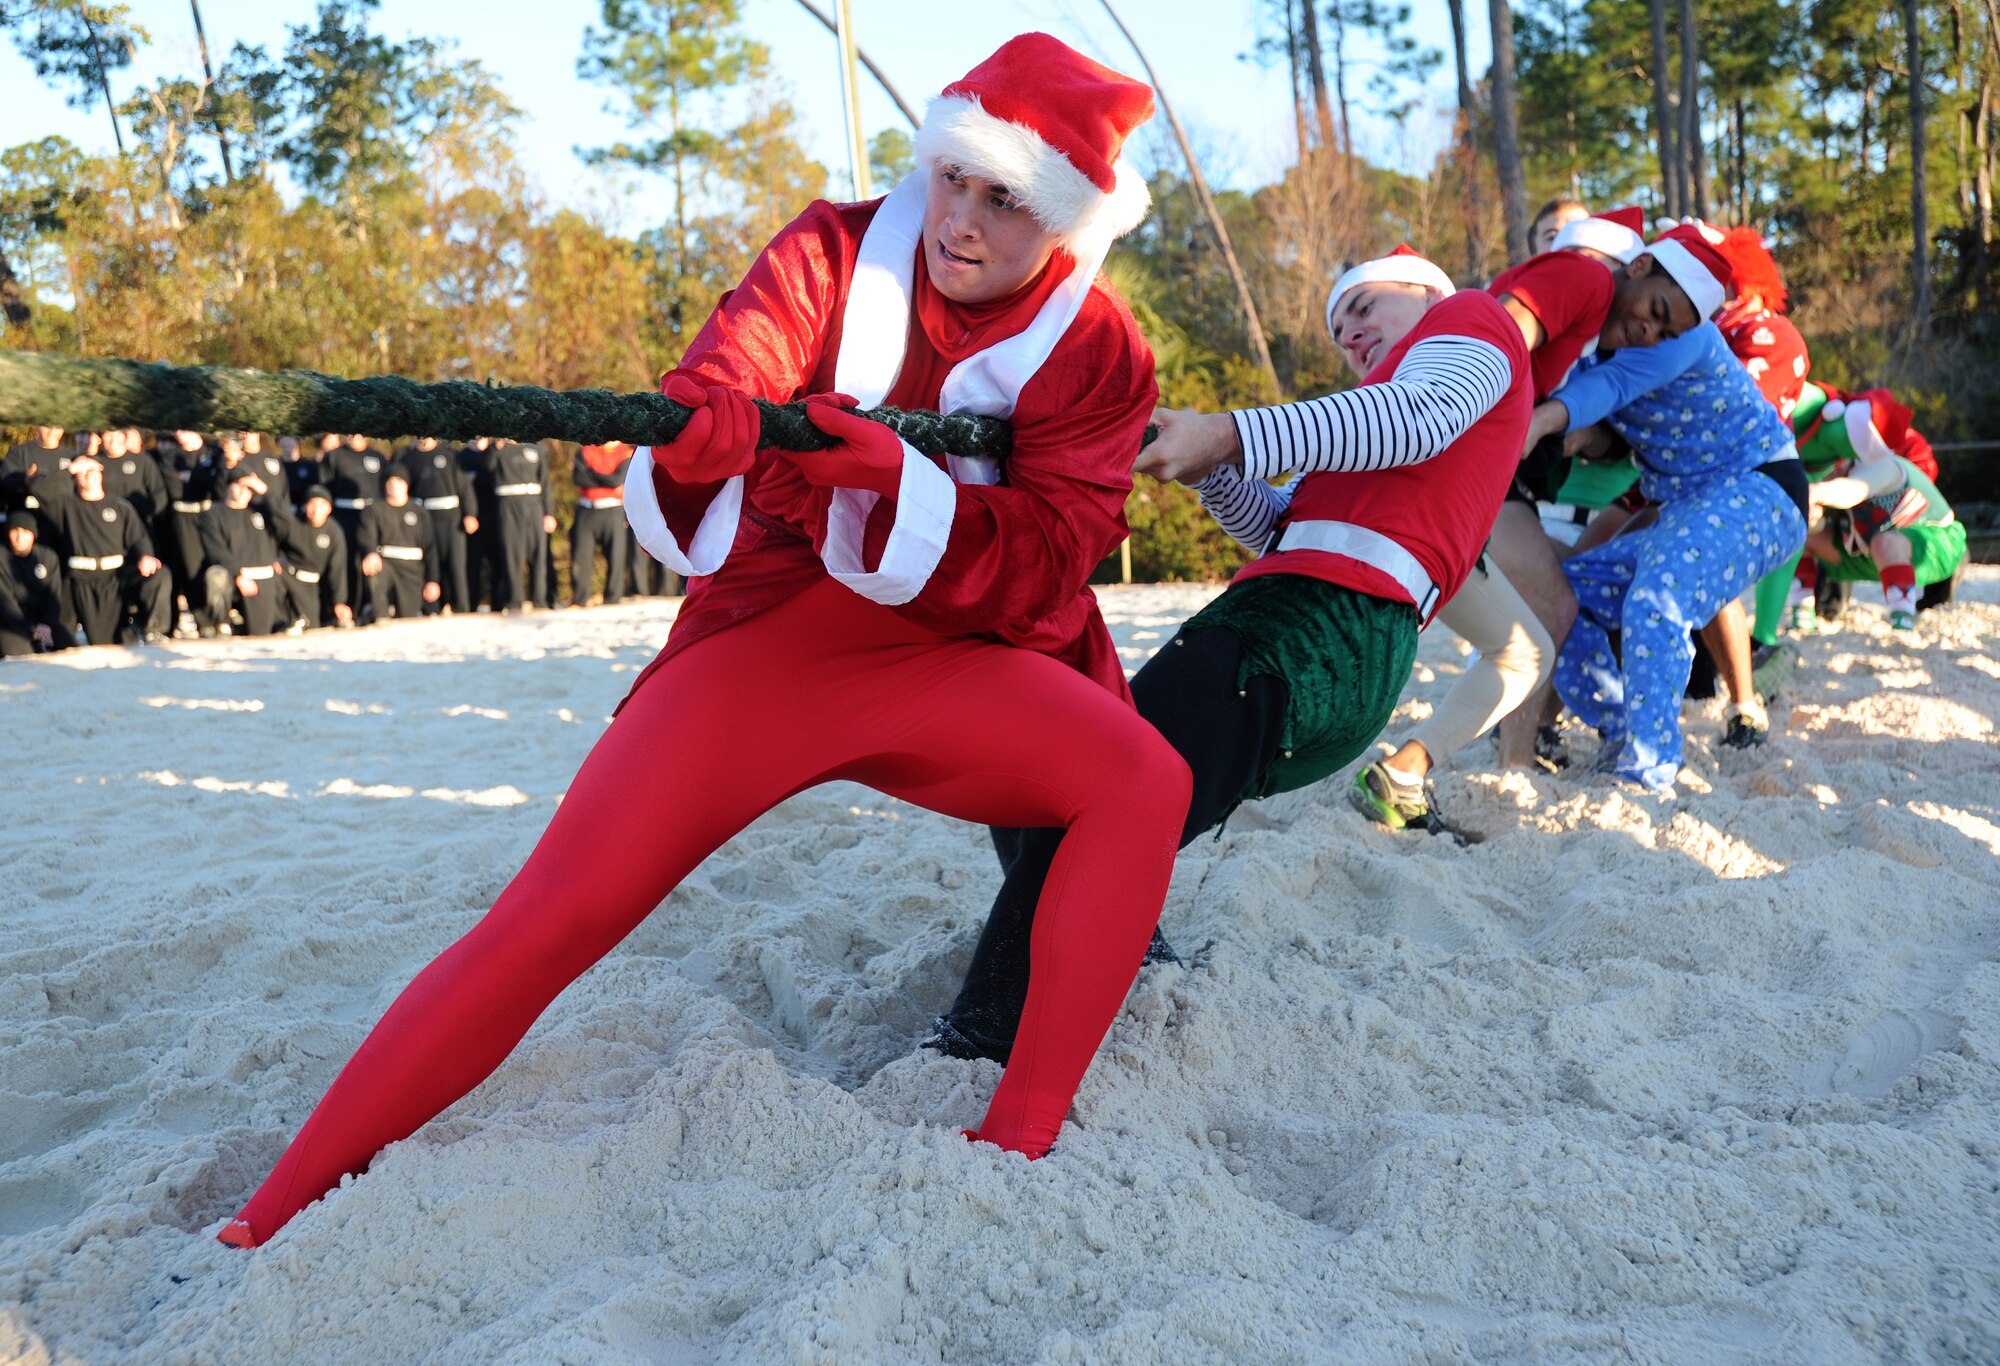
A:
(517, 490)
(612, 502)
(439, 504)
(400, 552)
(257, 571)
(609, 498)
(102, 562)
(203, 506)
(352, 504)
(1371, 548)
(306, 575)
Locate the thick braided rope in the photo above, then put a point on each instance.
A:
(89, 395)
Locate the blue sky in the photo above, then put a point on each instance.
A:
(1237, 113)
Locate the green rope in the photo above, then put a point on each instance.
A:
(90, 395)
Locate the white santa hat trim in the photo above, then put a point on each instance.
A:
(1600, 234)
(1403, 266)
(957, 131)
(1704, 291)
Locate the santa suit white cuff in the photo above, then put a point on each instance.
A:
(712, 536)
(926, 502)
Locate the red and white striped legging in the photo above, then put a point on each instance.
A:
(825, 686)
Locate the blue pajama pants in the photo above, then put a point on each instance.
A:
(1650, 589)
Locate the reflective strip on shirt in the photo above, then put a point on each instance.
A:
(203, 506)
(257, 571)
(1369, 547)
(400, 552)
(443, 504)
(103, 562)
(352, 504)
(517, 490)
(306, 575)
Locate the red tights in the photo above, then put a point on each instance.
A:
(825, 686)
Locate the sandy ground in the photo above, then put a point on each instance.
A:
(1614, 1079)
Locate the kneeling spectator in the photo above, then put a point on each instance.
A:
(30, 592)
(394, 538)
(239, 547)
(316, 551)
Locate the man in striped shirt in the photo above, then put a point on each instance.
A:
(1288, 676)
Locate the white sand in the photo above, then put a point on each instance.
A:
(1712, 1081)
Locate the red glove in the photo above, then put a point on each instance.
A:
(720, 439)
(869, 455)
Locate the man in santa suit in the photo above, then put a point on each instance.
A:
(1288, 675)
(863, 612)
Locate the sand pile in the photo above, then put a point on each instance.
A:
(1717, 1079)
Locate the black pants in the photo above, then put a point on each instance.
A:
(520, 543)
(1229, 738)
(397, 590)
(267, 612)
(448, 544)
(597, 530)
(100, 600)
(311, 603)
(350, 526)
(181, 540)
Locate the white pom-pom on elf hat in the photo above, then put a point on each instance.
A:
(1403, 266)
(1618, 233)
(1694, 264)
(1050, 124)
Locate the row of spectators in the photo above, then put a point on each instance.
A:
(112, 538)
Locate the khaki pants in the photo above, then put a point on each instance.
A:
(1515, 657)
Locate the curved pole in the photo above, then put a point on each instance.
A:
(1259, 350)
(873, 69)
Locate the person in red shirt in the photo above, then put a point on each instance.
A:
(860, 613)
(1289, 674)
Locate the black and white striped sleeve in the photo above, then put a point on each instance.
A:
(1247, 509)
(1442, 387)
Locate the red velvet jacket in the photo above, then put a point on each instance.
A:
(1015, 567)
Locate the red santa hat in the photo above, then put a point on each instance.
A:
(1619, 233)
(1403, 266)
(1692, 262)
(1050, 124)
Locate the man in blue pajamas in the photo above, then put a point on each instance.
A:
(1719, 460)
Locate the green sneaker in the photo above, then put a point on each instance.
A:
(1803, 617)
(1397, 803)
(1902, 621)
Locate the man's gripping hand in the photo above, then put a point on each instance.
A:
(869, 455)
(720, 439)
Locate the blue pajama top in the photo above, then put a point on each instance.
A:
(1690, 411)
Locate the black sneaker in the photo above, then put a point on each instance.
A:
(1549, 747)
(1160, 951)
(948, 1039)
(1743, 733)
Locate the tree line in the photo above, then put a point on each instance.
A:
(1858, 137)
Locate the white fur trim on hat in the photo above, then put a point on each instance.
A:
(1401, 269)
(958, 132)
(1704, 291)
(1600, 234)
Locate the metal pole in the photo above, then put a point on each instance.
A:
(850, 98)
